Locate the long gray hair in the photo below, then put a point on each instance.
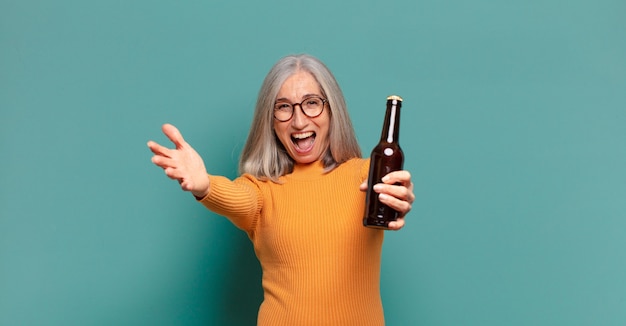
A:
(263, 155)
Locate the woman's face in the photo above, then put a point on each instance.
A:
(305, 138)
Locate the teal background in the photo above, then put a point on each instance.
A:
(513, 127)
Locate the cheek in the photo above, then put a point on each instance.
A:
(281, 135)
(276, 129)
(325, 129)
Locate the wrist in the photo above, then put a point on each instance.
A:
(203, 191)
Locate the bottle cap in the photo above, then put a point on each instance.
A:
(394, 97)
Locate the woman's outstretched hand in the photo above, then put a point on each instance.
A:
(396, 191)
(182, 163)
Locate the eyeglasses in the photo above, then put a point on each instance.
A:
(310, 106)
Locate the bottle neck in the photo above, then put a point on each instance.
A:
(391, 127)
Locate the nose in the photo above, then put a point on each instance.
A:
(299, 119)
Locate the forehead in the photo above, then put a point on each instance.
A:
(298, 85)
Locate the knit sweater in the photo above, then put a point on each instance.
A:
(320, 265)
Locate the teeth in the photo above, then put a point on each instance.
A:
(303, 135)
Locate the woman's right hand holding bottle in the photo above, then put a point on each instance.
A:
(182, 163)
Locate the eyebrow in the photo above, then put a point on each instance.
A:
(305, 96)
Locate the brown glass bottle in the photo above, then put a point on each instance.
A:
(386, 157)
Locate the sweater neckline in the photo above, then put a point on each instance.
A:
(307, 171)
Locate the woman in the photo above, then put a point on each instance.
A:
(300, 199)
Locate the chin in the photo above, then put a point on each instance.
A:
(305, 159)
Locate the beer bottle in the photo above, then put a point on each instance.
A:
(386, 157)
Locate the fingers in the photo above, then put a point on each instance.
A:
(402, 176)
(396, 191)
(399, 192)
(181, 163)
(396, 225)
(399, 205)
(163, 162)
(159, 150)
(173, 134)
(178, 175)
(165, 157)
(397, 184)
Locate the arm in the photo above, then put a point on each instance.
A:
(238, 200)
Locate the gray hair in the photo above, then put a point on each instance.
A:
(263, 155)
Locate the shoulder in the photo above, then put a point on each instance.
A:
(356, 165)
(355, 162)
(251, 180)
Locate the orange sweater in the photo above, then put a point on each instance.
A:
(320, 265)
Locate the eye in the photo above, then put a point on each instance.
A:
(313, 101)
(282, 106)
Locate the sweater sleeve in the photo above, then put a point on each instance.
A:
(239, 200)
(365, 169)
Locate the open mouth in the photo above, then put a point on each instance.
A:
(303, 142)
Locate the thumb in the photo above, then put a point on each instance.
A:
(363, 186)
(173, 134)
